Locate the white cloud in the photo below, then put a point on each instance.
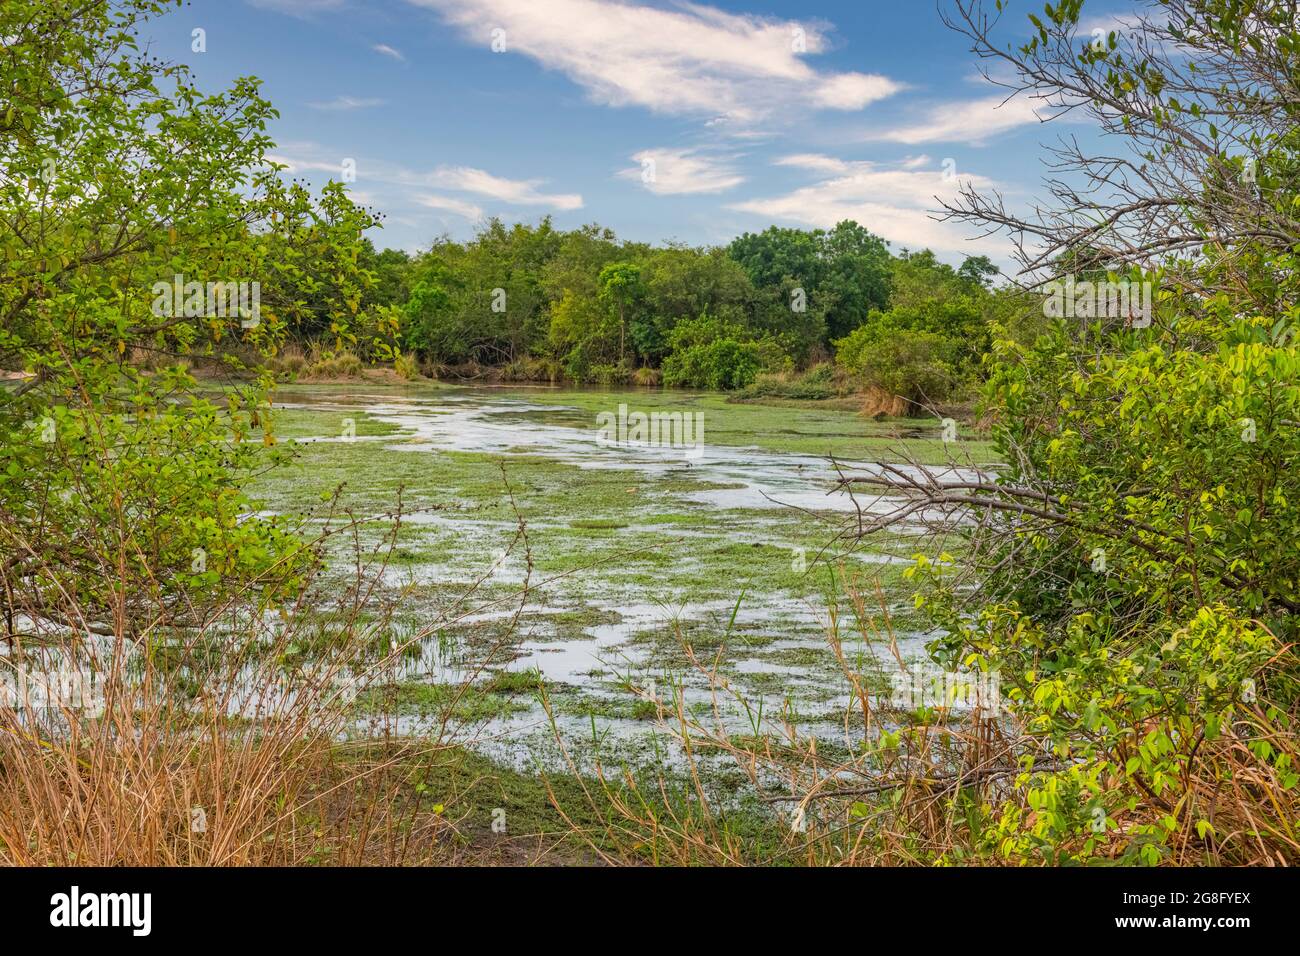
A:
(1109, 23)
(853, 91)
(515, 191)
(346, 103)
(461, 208)
(694, 60)
(311, 157)
(893, 201)
(303, 164)
(386, 50)
(814, 161)
(672, 172)
(970, 121)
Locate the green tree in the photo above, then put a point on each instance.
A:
(621, 288)
(681, 283)
(119, 178)
(836, 277)
(856, 276)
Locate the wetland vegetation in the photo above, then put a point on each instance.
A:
(358, 576)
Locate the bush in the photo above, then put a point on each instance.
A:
(920, 367)
(527, 369)
(723, 364)
(406, 367)
(334, 365)
(817, 383)
(516, 370)
(647, 377)
(287, 369)
(609, 374)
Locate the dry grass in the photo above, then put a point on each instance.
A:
(877, 403)
(206, 735)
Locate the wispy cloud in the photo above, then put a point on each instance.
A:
(1108, 23)
(893, 200)
(515, 191)
(969, 121)
(386, 50)
(346, 103)
(294, 159)
(672, 172)
(815, 161)
(692, 60)
(852, 91)
(461, 208)
(311, 157)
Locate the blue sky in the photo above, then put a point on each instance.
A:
(664, 121)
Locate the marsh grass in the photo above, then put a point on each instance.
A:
(791, 798)
(915, 786)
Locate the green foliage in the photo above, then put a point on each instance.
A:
(406, 367)
(1122, 719)
(621, 289)
(929, 346)
(1154, 606)
(598, 308)
(843, 273)
(681, 283)
(818, 383)
(430, 322)
(484, 301)
(314, 279)
(1136, 582)
(118, 173)
(721, 364)
(918, 366)
(711, 352)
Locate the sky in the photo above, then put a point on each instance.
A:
(664, 121)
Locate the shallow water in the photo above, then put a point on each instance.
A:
(487, 421)
(603, 659)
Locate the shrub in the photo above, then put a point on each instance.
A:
(723, 364)
(609, 374)
(406, 367)
(334, 365)
(647, 377)
(920, 367)
(288, 364)
(527, 369)
(515, 370)
(817, 383)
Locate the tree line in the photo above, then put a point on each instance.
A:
(540, 303)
